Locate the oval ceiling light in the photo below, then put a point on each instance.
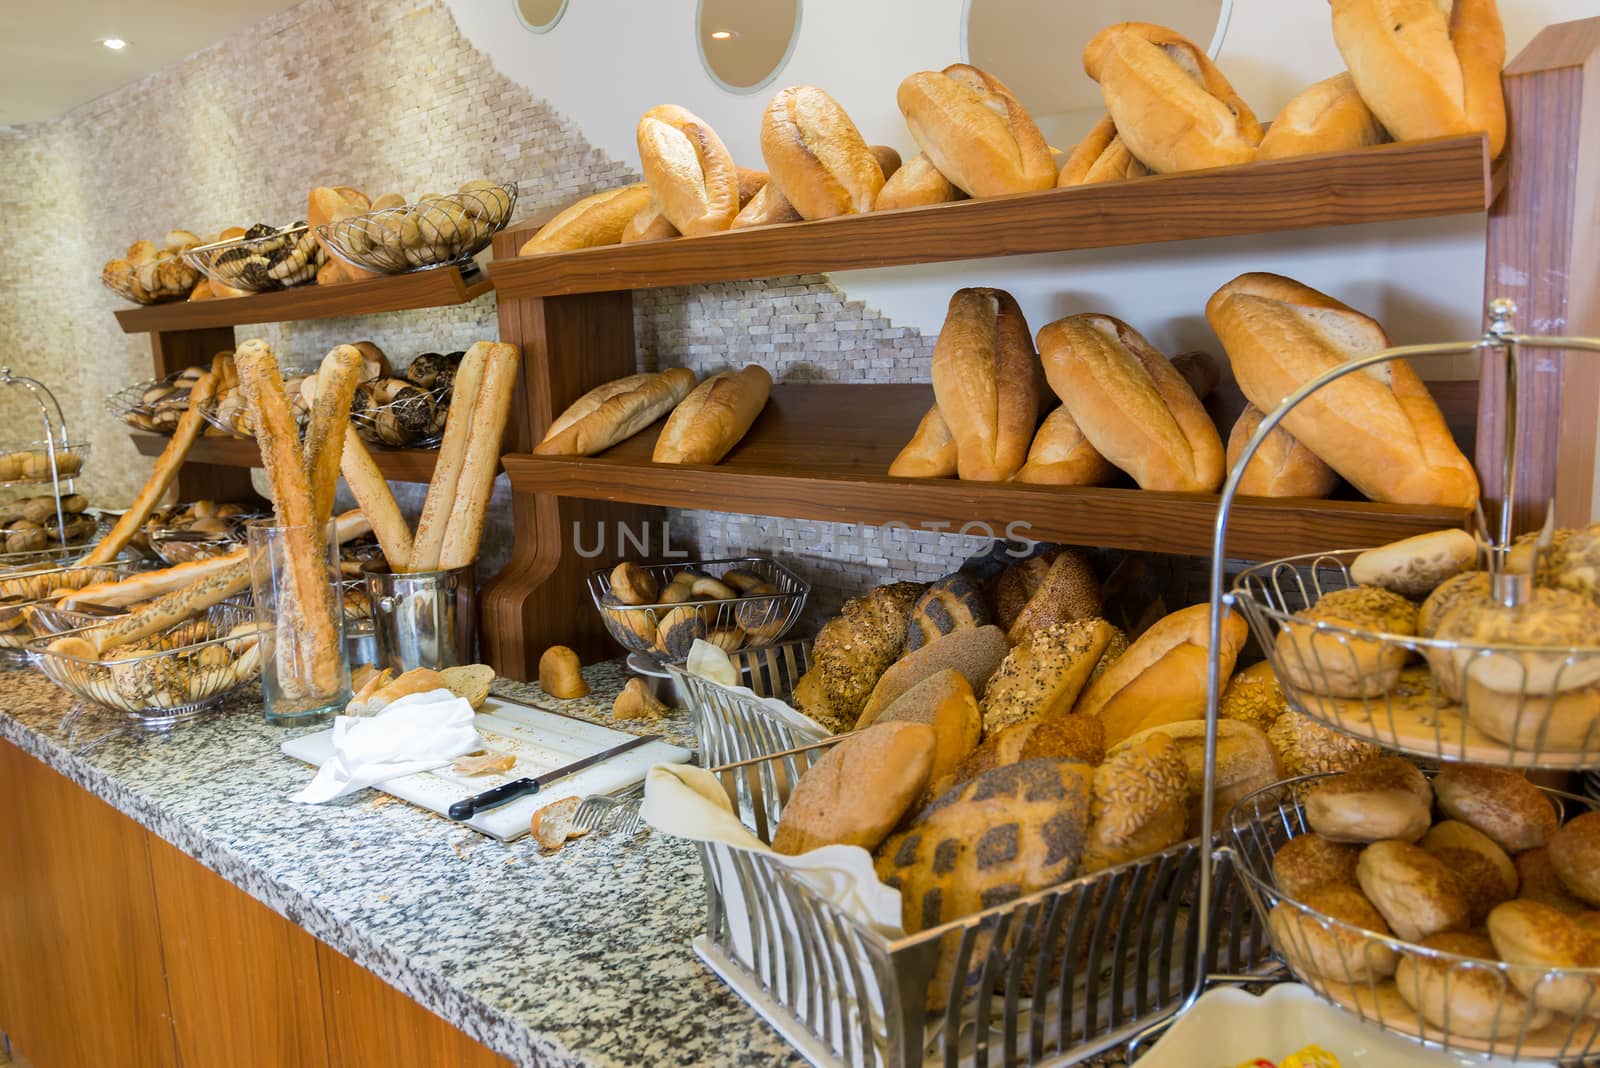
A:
(721, 35)
(116, 44)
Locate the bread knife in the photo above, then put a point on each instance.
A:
(466, 808)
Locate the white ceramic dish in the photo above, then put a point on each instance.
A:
(1227, 1027)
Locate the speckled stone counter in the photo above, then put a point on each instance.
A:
(582, 958)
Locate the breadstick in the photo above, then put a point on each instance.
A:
(308, 629)
(337, 379)
(482, 460)
(447, 471)
(172, 608)
(377, 503)
(188, 431)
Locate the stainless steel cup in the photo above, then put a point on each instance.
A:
(423, 618)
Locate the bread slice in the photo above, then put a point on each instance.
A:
(552, 825)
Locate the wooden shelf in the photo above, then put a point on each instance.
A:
(399, 292)
(819, 452)
(1414, 179)
(397, 465)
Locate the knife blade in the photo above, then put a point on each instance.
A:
(466, 808)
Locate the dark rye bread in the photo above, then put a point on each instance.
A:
(953, 603)
(1007, 833)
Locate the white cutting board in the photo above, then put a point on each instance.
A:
(541, 741)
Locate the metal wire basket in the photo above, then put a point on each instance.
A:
(441, 231)
(155, 405)
(731, 726)
(1356, 968)
(263, 259)
(181, 673)
(664, 632)
(412, 418)
(29, 464)
(22, 595)
(1073, 970)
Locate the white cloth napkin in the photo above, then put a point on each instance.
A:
(419, 732)
(708, 662)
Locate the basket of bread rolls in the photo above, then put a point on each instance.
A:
(1457, 907)
(437, 230)
(661, 610)
(261, 259)
(22, 594)
(155, 406)
(149, 273)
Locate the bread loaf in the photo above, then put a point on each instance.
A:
(1044, 676)
(1282, 467)
(1379, 429)
(916, 184)
(1132, 405)
(1102, 156)
(1246, 762)
(767, 206)
(852, 651)
(931, 452)
(975, 652)
(1171, 105)
(1329, 116)
(1140, 804)
(1059, 738)
(816, 156)
(859, 790)
(952, 603)
(945, 702)
(615, 412)
(648, 225)
(688, 169)
(1066, 593)
(714, 417)
(975, 131)
(1426, 69)
(1061, 456)
(593, 221)
(986, 379)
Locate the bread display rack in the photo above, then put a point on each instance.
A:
(1308, 656)
(63, 461)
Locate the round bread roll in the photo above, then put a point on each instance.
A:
(1387, 798)
(1413, 567)
(1333, 951)
(1308, 861)
(636, 627)
(1253, 695)
(633, 584)
(1537, 881)
(1338, 664)
(1558, 621)
(1504, 805)
(1245, 763)
(1306, 747)
(1469, 587)
(1140, 803)
(1453, 836)
(761, 616)
(1575, 855)
(1564, 722)
(1528, 933)
(1471, 1001)
(1413, 890)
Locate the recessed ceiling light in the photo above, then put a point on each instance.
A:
(721, 35)
(116, 44)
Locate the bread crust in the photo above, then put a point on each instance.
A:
(1329, 116)
(688, 169)
(816, 156)
(1061, 456)
(767, 206)
(975, 131)
(986, 377)
(1282, 467)
(714, 417)
(648, 225)
(931, 452)
(593, 221)
(915, 184)
(481, 457)
(614, 412)
(1102, 156)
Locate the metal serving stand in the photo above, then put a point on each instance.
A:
(55, 442)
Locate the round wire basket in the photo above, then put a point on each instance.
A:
(665, 631)
(412, 417)
(440, 231)
(155, 405)
(263, 259)
(228, 412)
(1462, 1003)
(29, 464)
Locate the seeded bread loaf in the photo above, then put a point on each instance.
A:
(852, 651)
(1043, 676)
(953, 603)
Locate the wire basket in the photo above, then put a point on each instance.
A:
(264, 259)
(411, 417)
(183, 672)
(229, 413)
(22, 595)
(1354, 968)
(29, 464)
(154, 406)
(440, 231)
(1074, 969)
(664, 632)
(731, 726)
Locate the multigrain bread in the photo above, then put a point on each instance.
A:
(1132, 405)
(1414, 567)
(1068, 591)
(1379, 429)
(916, 184)
(1171, 105)
(1058, 738)
(988, 383)
(688, 169)
(975, 131)
(614, 412)
(1282, 467)
(1061, 456)
(945, 702)
(859, 790)
(1044, 675)
(851, 653)
(1329, 116)
(1337, 664)
(1102, 156)
(1246, 762)
(1140, 803)
(595, 220)
(931, 452)
(714, 417)
(816, 156)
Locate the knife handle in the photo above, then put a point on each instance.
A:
(468, 807)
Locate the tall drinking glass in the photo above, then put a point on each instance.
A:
(305, 672)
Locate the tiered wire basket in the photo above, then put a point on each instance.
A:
(59, 462)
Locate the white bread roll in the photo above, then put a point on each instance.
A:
(975, 131)
(1102, 156)
(1329, 116)
(1061, 456)
(1380, 429)
(931, 452)
(986, 378)
(767, 206)
(915, 184)
(816, 156)
(648, 225)
(614, 412)
(1171, 105)
(593, 221)
(1427, 68)
(688, 169)
(1131, 403)
(712, 419)
(1282, 467)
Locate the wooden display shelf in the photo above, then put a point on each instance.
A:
(398, 292)
(1414, 179)
(819, 452)
(397, 465)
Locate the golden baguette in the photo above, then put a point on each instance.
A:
(690, 173)
(590, 222)
(188, 431)
(975, 131)
(1329, 116)
(614, 412)
(337, 379)
(172, 608)
(816, 156)
(377, 502)
(429, 542)
(915, 184)
(987, 378)
(766, 207)
(1102, 156)
(713, 418)
(482, 460)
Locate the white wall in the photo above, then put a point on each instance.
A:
(610, 60)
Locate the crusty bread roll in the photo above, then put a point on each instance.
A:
(593, 221)
(1427, 68)
(888, 157)
(975, 131)
(1162, 676)
(1172, 107)
(1044, 676)
(816, 156)
(1337, 664)
(1246, 762)
(1102, 156)
(1414, 567)
(561, 673)
(1472, 1002)
(1385, 798)
(1313, 947)
(1061, 456)
(1526, 932)
(1057, 738)
(931, 452)
(1380, 429)
(1141, 802)
(1133, 406)
(1414, 890)
(615, 412)
(1329, 116)
(1515, 814)
(986, 378)
(1282, 467)
(1308, 861)
(648, 225)
(1451, 841)
(915, 184)
(688, 169)
(1575, 855)
(714, 417)
(768, 205)
(858, 790)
